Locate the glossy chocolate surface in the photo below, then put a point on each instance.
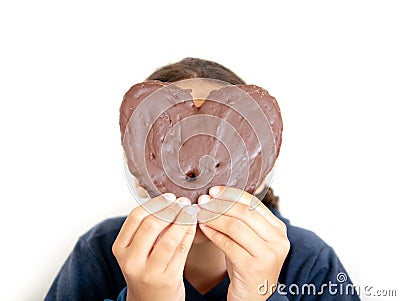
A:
(172, 145)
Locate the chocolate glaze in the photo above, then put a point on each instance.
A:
(173, 146)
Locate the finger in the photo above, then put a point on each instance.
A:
(177, 263)
(137, 215)
(232, 250)
(170, 215)
(215, 208)
(181, 202)
(175, 241)
(149, 230)
(238, 231)
(243, 197)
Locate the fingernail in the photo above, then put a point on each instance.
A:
(202, 226)
(170, 197)
(183, 201)
(214, 190)
(203, 199)
(191, 210)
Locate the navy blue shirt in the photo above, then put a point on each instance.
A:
(311, 271)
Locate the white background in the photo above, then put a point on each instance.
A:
(64, 67)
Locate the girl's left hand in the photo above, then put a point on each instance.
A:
(254, 240)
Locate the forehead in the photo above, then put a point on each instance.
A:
(200, 88)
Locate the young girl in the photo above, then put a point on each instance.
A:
(242, 254)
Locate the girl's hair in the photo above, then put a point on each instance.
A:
(197, 68)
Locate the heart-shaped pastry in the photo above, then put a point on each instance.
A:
(173, 145)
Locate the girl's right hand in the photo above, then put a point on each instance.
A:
(152, 246)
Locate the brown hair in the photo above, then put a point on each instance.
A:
(197, 68)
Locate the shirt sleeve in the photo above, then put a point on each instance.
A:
(121, 296)
(82, 277)
(277, 297)
(326, 280)
(330, 278)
